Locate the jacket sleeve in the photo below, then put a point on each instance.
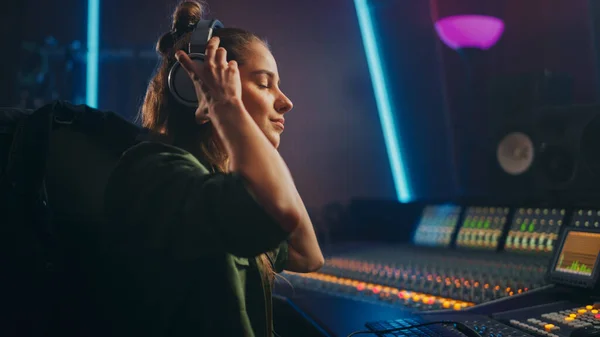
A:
(279, 256)
(167, 200)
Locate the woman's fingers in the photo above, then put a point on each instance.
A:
(189, 66)
(215, 78)
(213, 59)
(221, 58)
(211, 50)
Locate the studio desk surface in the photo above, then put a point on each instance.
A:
(332, 315)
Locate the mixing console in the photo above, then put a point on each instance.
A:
(486, 327)
(534, 229)
(486, 287)
(586, 218)
(482, 227)
(568, 312)
(425, 280)
(556, 320)
(430, 275)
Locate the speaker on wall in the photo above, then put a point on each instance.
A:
(510, 153)
(555, 156)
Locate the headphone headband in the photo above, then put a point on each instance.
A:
(202, 34)
(180, 84)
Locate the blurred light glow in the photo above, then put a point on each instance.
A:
(469, 31)
(384, 104)
(93, 42)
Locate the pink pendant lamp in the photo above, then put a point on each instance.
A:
(469, 31)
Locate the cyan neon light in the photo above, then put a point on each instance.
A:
(384, 104)
(93, 44)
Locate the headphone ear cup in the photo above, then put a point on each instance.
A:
(181, 85)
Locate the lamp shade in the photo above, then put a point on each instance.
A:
(469, 31)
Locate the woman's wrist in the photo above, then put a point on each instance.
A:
(223, 109)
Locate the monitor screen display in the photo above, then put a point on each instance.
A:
(578, 254)
(436, 225)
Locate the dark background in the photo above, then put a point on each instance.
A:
(333, 142)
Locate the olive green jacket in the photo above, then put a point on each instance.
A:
(183, 248)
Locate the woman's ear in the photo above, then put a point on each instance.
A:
(202, 111)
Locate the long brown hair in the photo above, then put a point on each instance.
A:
(174, 123)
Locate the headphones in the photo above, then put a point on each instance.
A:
(180, 84)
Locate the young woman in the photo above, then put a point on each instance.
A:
(205, 214)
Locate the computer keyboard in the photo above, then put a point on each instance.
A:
(486, 327)
(434, 330)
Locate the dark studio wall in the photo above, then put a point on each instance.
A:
(10, 20)
(539, 35)
(31, 21)
(333, 141)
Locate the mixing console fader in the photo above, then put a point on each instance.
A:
(534, 229)
(482, 227)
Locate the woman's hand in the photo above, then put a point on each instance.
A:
(217, 81)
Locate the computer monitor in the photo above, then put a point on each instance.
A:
(575, 262)
(436, 225)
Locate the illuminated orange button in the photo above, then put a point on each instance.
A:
(582, 311)
(457, 306)
(572, 315)
(594, 311)
(548, 327)
(568, 319)
(446, 304)
(589, 307)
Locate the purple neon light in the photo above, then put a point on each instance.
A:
(469, 31)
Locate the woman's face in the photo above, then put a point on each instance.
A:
(261, 94)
